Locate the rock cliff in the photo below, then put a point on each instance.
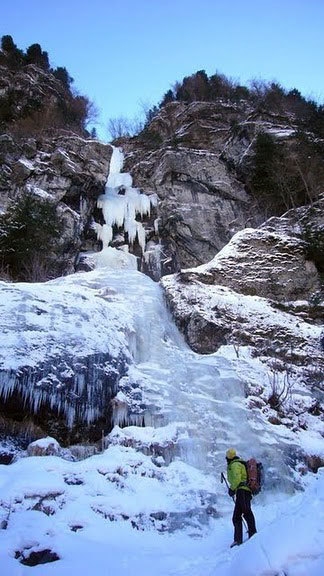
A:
(45, 151)
(197, 157)
(69, 170)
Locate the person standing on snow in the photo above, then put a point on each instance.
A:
(237, 480)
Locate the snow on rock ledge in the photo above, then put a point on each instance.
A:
(262, 263)
(163, 443)
(213, 315)
(118, 486)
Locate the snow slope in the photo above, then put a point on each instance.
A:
(96, 516)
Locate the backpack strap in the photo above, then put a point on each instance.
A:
(244, 483)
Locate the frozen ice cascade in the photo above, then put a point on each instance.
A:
(121, 203)
(168, 382)
(81, 324)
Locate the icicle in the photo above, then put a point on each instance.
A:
(156, 226)
(141, 235)
(119, 410)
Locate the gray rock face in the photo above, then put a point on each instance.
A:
(68, 169)
(306, 224)
(201, 204)
(66, 166)
(30, 88)
(272, 267)
(193, 156)
(262, 263)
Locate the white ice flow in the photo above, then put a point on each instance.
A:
(121, 204)
(175, 384)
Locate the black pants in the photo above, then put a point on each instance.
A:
(243, 507)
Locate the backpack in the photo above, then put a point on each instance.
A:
(254, 472)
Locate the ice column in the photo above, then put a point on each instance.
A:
(121, 203)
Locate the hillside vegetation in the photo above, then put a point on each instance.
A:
(36, 97)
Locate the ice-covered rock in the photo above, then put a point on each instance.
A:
(163, 443)
(64, 347)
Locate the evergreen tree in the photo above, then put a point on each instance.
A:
(62, 74)
(14, 56)
(263, 180)
(29, 232)
(168, 97)
(35, 55)
(7, 44)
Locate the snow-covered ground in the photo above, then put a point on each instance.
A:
(101, 516)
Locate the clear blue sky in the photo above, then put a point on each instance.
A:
(124, 52)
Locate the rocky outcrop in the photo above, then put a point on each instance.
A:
(65, 166)
(28, 90)
(261, 263)
(306, 225)
(162, 444)
(46, 150)
(263, 290)
(44, 447)
(64, 396)
(281, 261)
(201, 204)
(69, 170)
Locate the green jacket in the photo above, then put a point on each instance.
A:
(237, 475)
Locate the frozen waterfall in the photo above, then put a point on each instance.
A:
(168, 382)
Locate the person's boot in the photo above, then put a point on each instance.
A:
(235, 544)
